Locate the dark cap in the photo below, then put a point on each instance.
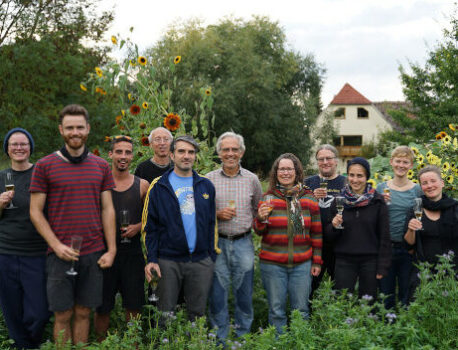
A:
(363, 162)
(11, 132)
(186, 138)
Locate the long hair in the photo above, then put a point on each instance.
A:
(299, 170)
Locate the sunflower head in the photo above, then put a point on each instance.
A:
(96, 152)
(445, 166)
(443, 134)
(145, 105)
(208, 92)
(132, 63)
(410, 174)
(118, 119)
(83, 87)
(98, 71)
(144, 141)
(142, 125)
(172, 121)
(177, 59)
(415, 150)
(372, 182)
(415, 181)
(134, 109)
(449, 179)
(447, 139)
(114, 40)
(142, 60)
(452, 127)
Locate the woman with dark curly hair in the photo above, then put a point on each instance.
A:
(289, 222)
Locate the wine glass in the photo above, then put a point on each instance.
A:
(340, 200)
(124, 220)
(231, 204)
(324, 185)
(154, 283)
(418, 209)
(268, 201)
(76, 246)
(9, 186)
(387, 191)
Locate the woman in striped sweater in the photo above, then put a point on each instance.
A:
(291, 240)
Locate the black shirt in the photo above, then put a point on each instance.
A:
(148, 170)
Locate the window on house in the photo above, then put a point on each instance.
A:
(363, 113)
(337, 141)
(352, 140)
(339, 113)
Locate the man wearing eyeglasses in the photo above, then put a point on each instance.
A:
(159, 140)
(238, 192)
(126, 275)
(325, 186)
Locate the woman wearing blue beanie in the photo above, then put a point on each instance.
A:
(22, 249)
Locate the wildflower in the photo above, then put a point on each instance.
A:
(452, 127)
(429, 154)
(107, 139)
(420, 158)
(455, 143)
(177, 60)
(261, 330)
(172, 121)
(391, 317)
(118, 119)
(372, 182)
(452, 165)
(449, 179)
(415, 181)
(96, 152)
(130, 324)
(376, 176)
(142, 60)
(134, 109)
(438, 136)
(445, 293)
(145, 141)
(451, 253)
(114, 40)
(165, 341)
(83, 87)
(211, 335)
(351, 321)
(446, 140)
(410, 174)
(415, 150)
(367, 297)
(373, 317)
(208, 92)
(142, 125)
(421, 166)
(132, 63)
(98, 71)
(123, 112)
(129, 96)
(121, 127)
(445, 166)
(145, 105)
(350, 295)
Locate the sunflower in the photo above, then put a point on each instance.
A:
(123, 112)
(107, 139)
(96, 152)
(98, 71)
(429, 154)
(372, 182)
(177, 60)
(421, 166)
(144, 141)
(118, 119)
(142, 60)
(140, 154)
(376, 176)
(447, 139)
(410, 174)
(438, 136)
(142, 125)
(132, 63)
(452, 165)
(445, 166)
(415, 150)
(83, 87)
(208, 92)
(443, 134)
(100, 91)
(114, 40)
(420, 158)
(415, 181)
(172, 121)
(145, 105)
(134, 109)
(452, 127)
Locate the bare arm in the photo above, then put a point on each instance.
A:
(37, 204)
(109, 229)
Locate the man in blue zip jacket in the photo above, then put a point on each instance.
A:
(179, 223)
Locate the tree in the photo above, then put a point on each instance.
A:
(261, 89)
(433, 89)
(43, 60)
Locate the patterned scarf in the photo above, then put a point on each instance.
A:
(353, 200)
(291, 196)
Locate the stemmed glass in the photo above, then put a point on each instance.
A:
(231, 204)
(9, 186)
(324, 184)
(340, 200)
(387, 191)
(76, 246)
(124, 219)
(154, 283)
(268, 201)
(418, 209)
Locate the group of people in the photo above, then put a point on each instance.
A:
(197, 232)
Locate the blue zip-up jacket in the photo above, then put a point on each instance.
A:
(162, 225)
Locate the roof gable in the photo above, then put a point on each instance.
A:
(349, 96)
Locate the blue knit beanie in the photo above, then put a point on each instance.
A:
(11, 132)
(363, 162)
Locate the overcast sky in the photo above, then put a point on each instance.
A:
(361, 42)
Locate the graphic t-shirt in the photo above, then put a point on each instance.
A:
(182, 186)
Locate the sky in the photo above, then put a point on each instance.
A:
(360, 42)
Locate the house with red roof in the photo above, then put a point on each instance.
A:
(357, 121)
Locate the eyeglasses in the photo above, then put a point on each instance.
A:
(285, 170)
(161, 139)
(233, 150)
(325, 159)
(19, 145)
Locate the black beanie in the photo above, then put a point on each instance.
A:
(363, 162)
(11, 132)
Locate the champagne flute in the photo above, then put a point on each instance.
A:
(154, 283)
(418, 209)
(124, 219)
(340, 200)
(324, 185)
(268, 201)
(76, 246)
(387, 191)
(9, 186)
(231, 204)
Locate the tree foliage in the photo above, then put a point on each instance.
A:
(433, 89)
(262, 89)
(43, 60)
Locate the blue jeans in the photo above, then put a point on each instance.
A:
(23, 298)
(280, 281)
(234, 266)
(401, 265)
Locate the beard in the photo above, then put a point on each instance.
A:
(75, 143)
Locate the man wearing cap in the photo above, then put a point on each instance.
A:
(22, 249)
(75, 185)
(238, 192)
(179, 224)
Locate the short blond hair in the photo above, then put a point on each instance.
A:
(403, 151)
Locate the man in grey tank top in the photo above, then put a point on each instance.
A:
(127, 273)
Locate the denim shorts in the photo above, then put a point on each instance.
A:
(84, 289)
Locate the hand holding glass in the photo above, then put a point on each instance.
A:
(154, 283)
(386, 190)
(9, 186)
(124, 219)
(418, 209)
(340, 208)
(231, 204)
(324, 185)
(268, 201)
(76, 246)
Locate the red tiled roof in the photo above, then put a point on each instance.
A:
(349, 96)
